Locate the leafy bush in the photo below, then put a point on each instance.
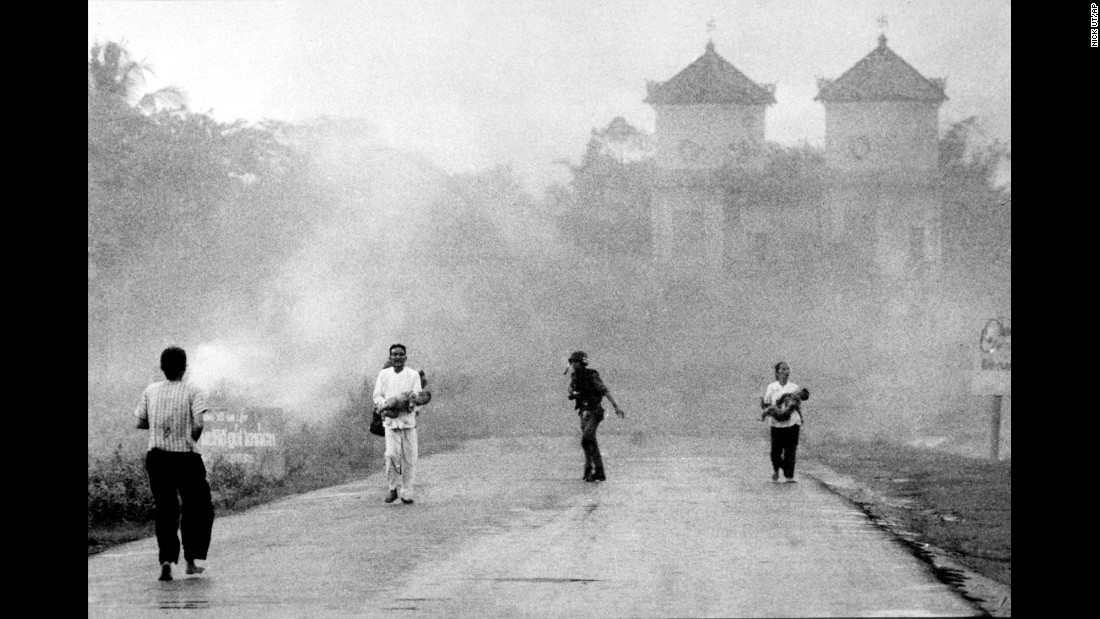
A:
(329, 452)
(232, 483)
(118, 490)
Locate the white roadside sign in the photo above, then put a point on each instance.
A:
(993, 374)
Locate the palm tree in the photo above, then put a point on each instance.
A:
(114, 77)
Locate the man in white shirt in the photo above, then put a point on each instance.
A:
(402, 446)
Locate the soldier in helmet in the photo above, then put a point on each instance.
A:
(587, 391)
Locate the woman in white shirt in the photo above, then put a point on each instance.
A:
(784, 434)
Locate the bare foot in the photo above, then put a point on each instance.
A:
(194, 569)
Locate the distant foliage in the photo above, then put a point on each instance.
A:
(329, 452)
(607, 208)
(977, 219)
(116, 80)
(180, 205)
(782, 175)
(621, 141)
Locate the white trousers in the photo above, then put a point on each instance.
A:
(402, 452)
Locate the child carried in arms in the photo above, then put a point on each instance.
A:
(788, 404)
(404, 402)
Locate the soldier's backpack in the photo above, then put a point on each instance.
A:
(586, 389)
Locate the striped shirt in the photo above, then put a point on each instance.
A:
(172, 408)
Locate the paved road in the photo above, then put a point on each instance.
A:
(684, 527)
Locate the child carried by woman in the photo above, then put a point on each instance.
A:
(787, 404)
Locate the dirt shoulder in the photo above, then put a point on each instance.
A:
(953, 511)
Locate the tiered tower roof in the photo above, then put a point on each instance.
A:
(710, 79)
(881, 75)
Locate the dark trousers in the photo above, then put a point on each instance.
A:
(784, 448)
(590, 420)
(174, 477)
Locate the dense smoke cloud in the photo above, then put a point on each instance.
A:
(473, 275)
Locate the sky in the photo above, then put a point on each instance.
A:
(479, 83)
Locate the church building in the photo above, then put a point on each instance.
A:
(881, 149)
(708, 116)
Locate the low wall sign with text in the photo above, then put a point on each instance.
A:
(252, 437)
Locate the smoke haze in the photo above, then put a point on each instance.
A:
(288, 290)
(470, 273)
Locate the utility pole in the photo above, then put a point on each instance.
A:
(995, 429)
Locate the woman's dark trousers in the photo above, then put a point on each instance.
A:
(784, 449)
(176, 476)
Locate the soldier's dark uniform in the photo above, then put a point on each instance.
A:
(587, 391)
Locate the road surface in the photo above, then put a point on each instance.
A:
(505, 527)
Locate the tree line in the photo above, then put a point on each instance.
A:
(170, 189)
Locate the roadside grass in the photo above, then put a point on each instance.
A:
(958, 504)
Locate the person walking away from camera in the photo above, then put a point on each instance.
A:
(172, 410)
(402, 445)
(784, 434)
(587, 391)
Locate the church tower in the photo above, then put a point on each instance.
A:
(708, 116)
(881, 150)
